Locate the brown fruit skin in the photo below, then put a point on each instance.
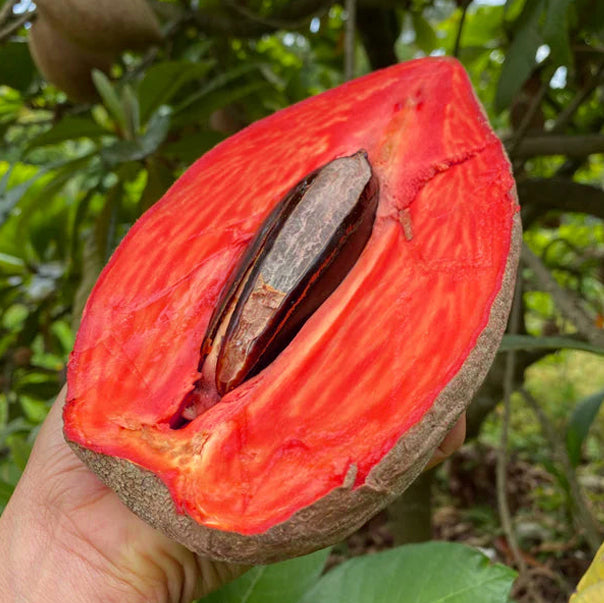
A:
(64, 63)
(103, 25)
(343, 510)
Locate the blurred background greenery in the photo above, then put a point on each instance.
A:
(93, 135)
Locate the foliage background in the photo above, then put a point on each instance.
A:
(75, 176)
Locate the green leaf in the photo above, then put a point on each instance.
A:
(220, 91)
(425, 36)
(192, 146)
(164, 80)
(159, 180)
(6, 491)
(39, 390)
(423, 573)
(520, 58)
(10, 198)
(69, 128)
(20, 449)
(9, 264)
(578, 426)
(282, 582)
(145, 145)
(106, 223)
(131, 112)
(109, 97)
(16, 67)
(528, 343)
(205, 106)
(555, 31)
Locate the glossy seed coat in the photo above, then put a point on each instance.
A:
(302, 252)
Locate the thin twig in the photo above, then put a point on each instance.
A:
(567, 304)
(501, 467)
(525, 124)
(462, 20)
(17, 24)
(351, 9)
(6, 11)
(582, 515)
(274, 23)
(508, 387)
(579, 145)
(582, 95)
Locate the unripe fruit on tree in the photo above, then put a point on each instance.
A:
(64, 63)
(70, 38)
(103, 25)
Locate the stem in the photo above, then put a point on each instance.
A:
(462, 20)
(501, 467)
(502, 459)
(564, 299)
(349, 39)
(583, 517)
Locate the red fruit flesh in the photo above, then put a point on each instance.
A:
(368, 364)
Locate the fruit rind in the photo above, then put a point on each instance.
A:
(344, 509)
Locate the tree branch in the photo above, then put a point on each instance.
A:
(16, 24)
(565, 301)
(351, 10)
(570, 146)
(462, 20)
(226, 18)
(379, 29)
(582, 95)
(527, 120)
(6, 11)
(540, 195)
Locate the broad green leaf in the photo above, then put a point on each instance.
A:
(425, 36)
(528, 343)
(432, 572)
(190, 147)
(218, 92)
(591, 587)
(19, 448)
(483, 27)
(106, 223)
(16, 67)
(520, 58)
(205, 106)
(164, 80)
(131, 112)
(9, 264)
(69, 128)
(555, 31)
(580, 421)
(109, 97)
(10, 198)
(39, 390)
(143, 146)
(159, 179)
(36, 410)
(6, 491)
(282, 582)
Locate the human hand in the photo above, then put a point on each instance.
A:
(65, 536)
(452, 442)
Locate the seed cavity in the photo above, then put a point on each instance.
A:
(301, 253)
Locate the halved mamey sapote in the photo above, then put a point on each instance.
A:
(298, 453)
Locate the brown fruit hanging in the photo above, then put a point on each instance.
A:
(103, 25)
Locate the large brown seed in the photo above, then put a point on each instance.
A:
(303, 251)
